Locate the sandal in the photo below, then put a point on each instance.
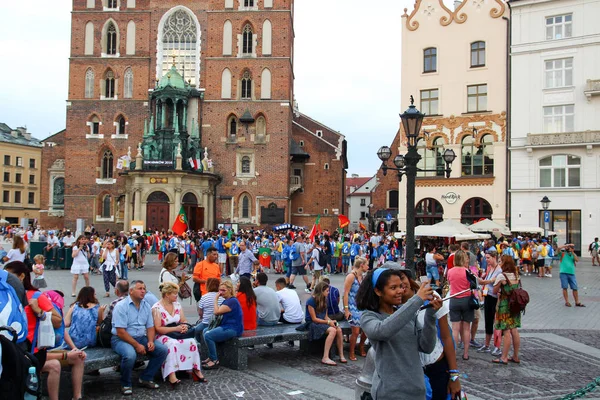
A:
(499, 361)
(465, 358)
(343, 360)
(352, 358)
(568, 304)
(579, 305)
(126, 391)
(215, 365)
(329, 362)
(512, 360)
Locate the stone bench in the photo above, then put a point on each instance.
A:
(234, 353)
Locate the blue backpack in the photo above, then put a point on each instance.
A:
(346, 249)
(285, 252)
(235, 250)
(294, 255)
(11, 310)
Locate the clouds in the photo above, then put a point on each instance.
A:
(346, 65)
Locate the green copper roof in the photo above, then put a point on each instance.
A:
(174, 79)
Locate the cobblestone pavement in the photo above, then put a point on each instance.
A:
(559, 353)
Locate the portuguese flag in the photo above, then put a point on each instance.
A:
(264, 257)
(315, 229)
(180, 225)
(343, 220)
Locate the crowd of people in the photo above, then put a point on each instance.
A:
(379, 299)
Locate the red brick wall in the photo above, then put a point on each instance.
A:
(49, 156)
(386, 183)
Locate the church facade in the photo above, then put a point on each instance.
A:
(188, 104)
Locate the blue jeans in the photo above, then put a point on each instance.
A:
(124, 270)
(128, 357)
(215, 336)
(199, 331)
(262, 322)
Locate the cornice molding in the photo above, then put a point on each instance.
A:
(463, 181)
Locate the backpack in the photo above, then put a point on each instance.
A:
(12, 313)
(234, 250)
(322, 258)
(591, 246)
(104, 331)
(15, 367)
(544, 251)
(345, 249)
(353, 252)
(285, 252)
(293, 254)
(518, 300)
(551, 251)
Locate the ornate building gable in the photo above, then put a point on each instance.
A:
(425, 10)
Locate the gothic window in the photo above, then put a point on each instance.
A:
(246, 86)
(130, 43)
(179, 39)
(226, 84)
(245, 165)
(245, 207)
(120, 125)
(107, 165)
(109, 85)
(111, 4)
(89, 83)
(94, 125)
(267, 40)
(106, 207)
(89, 39)
(128, 81)
(111, 39)
(247, 40)
(265, 84)
(58, 193)
(248, 3)
(261, 126)
(227, 38)
(232, 126)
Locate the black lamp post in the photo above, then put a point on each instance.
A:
(407, 165)
(545, 204)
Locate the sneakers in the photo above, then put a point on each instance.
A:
(291, 287)
(474, 343)
(496, 353)
(460, 345)
(307, 290)
(548, 275)
(484, 349)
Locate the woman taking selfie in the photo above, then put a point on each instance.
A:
(81, 262)
(392, 333)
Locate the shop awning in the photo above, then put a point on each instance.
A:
(447, 228)
(487, 225)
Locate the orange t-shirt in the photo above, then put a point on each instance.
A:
(248, 313)
(204, 270)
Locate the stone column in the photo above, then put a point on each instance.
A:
(127, 215)
(211, 212)
(205, 206)
(137, 209)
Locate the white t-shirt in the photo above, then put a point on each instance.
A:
(181, 245)
(427, 359)
(166, 276)
(96, 248)
(315, 256)
(429, 260)
(291, 305)
(68, 240)
(53, 240)
(15, 255)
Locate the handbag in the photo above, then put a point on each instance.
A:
(474, 302)
(45, 332)
(190, 333)
(185, 292)
(215, 321)
(197, 292)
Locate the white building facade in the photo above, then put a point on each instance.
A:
(359, 201)
(555, 117)
(454, 63)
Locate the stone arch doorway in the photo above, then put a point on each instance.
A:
(195, 214)
(157, 211)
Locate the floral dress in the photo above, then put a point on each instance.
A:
(83, 325)
(504, 318)
(183, 354)
(354, 312)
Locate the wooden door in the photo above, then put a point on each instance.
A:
(157, 216)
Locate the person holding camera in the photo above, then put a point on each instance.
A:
(568, 260)
(81, 263)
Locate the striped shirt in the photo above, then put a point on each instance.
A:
(207, 304)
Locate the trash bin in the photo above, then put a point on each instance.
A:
(365, 379)
(68, 258)
(36, 248)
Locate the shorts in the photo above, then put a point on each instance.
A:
(547, 262)
(477, 314)
(222, 258)
(80, 269)
(298, 270)
(433, 273)
(539, 263)
(527, 261)
(345, 261)
(317, 274)
(460, 310)
(134, 258)
(180, 257)
(288, 269)
(594, 253)
(276, 256)
(568, 280)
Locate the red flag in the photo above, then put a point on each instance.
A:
(315, 229)
(344, 221)
(180, 225)
(361, 226)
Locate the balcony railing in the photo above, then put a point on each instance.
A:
(295, 183)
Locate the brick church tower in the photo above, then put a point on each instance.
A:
(209, 79)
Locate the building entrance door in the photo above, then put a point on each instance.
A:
(194, 214)
(157, 212)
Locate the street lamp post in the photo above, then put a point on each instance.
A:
(407, 165)
(545, 204)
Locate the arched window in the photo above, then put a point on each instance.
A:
(120, 125)
(158, 197)
(232, 126)
(261, 126)
(180, 38)
(428, 212)
(226, 84)
(247, 40)
(265, 84)
(245, 165)
(475, 209)
(478, 54)
(487, 153)
(89, 84)
(246, 86)
(468, 159)
(58, 193)
(89, 39)
(266, 38)
(431, 157)
(109, 85)
(94, 124)
(107, 165)
(326, 166)
(130, 44)
(430, 60)
(392, 199)
(227, 38)
(111, 39)
(128, 83)
(245, 207)
(106, 207)
(560, 171)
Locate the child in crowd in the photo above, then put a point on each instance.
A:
(38, 269)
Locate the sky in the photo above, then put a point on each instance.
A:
(346, 64)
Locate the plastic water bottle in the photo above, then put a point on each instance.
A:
(32, 384)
